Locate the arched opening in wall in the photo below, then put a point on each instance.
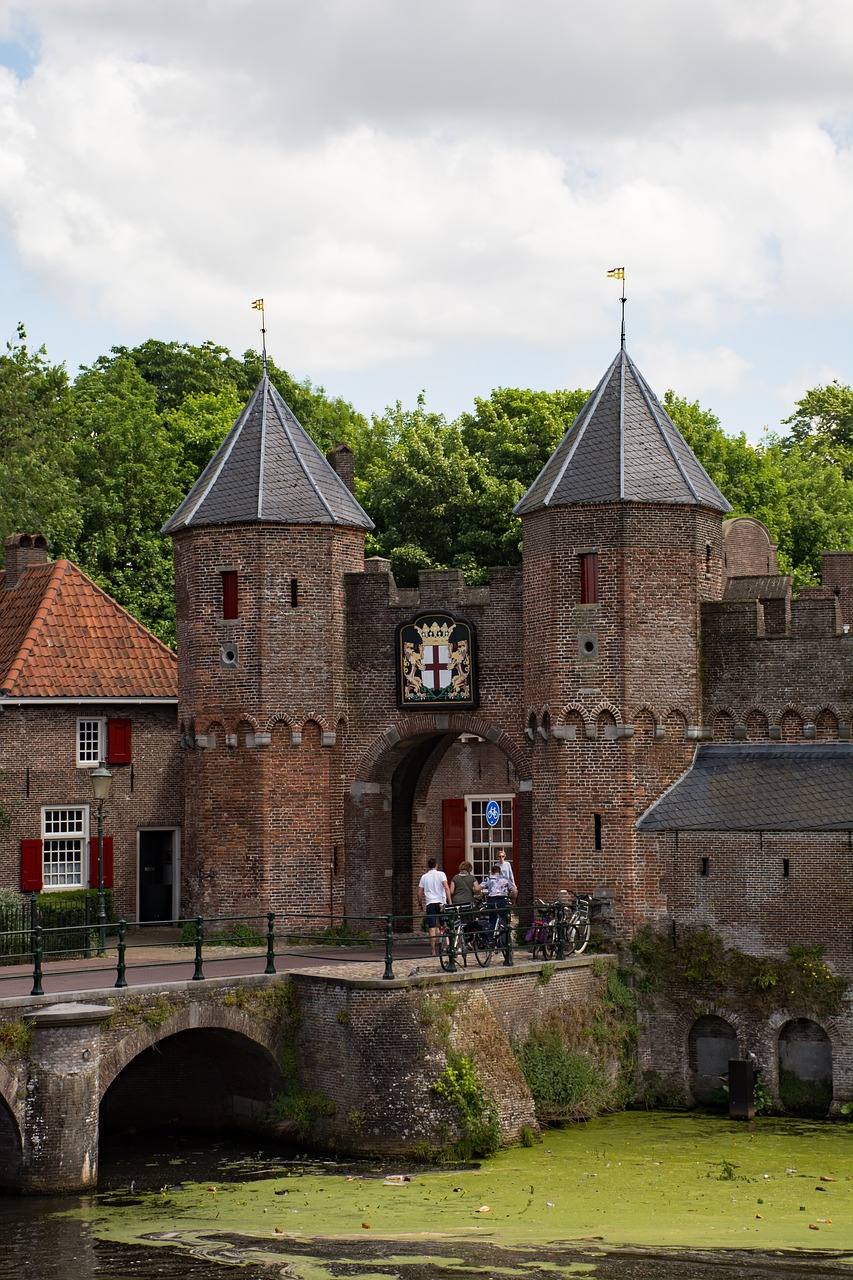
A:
(428, 797)
(644, 725)
(756, 724)
(10, 1150)
(724, 727)
(791, 725)
(826, 725)
(711, 1044)
(209, 1079)
(576, 726)
(676, 725)
(605, 726)
(805, 1068)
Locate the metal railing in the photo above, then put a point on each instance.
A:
(263, 938)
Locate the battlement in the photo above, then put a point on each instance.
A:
(375, 605)
(814, 615)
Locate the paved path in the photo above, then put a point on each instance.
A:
(157, 963)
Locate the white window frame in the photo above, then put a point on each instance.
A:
(88, 763)
(76, 833)
(472, 847)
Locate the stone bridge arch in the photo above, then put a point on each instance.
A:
(393, 812)
(11, 1149)
(207, 1066)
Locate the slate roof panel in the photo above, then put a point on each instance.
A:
(268, 469)
(62, 636)
(776, 586)
(622, 447)
(760, 787)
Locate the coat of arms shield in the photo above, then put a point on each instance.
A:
(436, 662)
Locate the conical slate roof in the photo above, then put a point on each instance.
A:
(622, 447)
(268, 469)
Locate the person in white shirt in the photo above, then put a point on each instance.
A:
(508, 873)
(433, 894)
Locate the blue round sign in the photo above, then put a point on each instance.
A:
(493, 813)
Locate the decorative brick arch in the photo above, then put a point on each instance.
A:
(191, 1017)
(723, 724)
(409, 728)
(791, 722)
(757, 724)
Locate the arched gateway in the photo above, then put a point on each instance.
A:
(340, 729)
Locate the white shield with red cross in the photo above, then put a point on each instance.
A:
(436, 666)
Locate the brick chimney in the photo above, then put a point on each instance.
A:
(21, 550)
(341, 460)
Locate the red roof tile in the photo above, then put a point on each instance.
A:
(61, 636)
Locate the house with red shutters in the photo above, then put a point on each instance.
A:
(83, 683)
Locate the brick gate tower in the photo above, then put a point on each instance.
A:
(262, 544)
(622, 544)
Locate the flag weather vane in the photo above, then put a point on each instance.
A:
(258, 305)
(618, 273)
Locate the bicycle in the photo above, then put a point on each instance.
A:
(491, 934)
(578, 924)
(453, 937)
(543, 932)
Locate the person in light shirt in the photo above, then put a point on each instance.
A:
(433, 894)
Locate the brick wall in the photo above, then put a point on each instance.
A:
(146, 793)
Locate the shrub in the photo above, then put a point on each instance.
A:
(478, 1117)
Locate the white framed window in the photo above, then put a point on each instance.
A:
(64, 839)
(91, 743)
(483, 841)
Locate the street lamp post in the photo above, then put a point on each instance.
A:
(102, 780)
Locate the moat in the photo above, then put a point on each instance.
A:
(636, 1195)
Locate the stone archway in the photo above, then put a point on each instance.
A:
(805, 1067)
(10, 1150)
(394, 808)
(208, 1078)
(711, 1043)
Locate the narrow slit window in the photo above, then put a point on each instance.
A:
(705, 867)
(596, 829)
(589, 577)
(294, 593)
(707, 559)
(230, 598)
(786, 868)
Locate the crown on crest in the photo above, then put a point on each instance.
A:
(436, 632)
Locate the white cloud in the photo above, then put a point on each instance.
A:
(396, 177)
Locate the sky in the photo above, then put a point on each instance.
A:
(428, 194)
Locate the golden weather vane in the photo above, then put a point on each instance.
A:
(618, 273)
(258, 305)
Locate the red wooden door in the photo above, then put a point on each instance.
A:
(453, 818)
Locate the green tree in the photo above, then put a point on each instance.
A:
(37, 477)
(516, 431)
(824, 418)
(128, 469)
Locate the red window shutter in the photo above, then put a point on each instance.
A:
(453, 819)
(118, 741)
(589, 577)
(230, 601)
(108, 862)
(32, 868)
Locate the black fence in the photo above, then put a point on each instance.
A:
(179, 950)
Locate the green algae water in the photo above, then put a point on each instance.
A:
(629, 1196)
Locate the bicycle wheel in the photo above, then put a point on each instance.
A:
(580, 936)
(444, 950)
(462, 947)
(483, 943)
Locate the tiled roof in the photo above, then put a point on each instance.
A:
(268, 469)
(773, 586)
(622, 447)
(61, 636)
(760, 787)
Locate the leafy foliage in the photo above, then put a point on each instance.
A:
(99, 464)
(478, 1117)
(702, 965)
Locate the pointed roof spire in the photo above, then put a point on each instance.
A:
(622, 447)
(268, 469)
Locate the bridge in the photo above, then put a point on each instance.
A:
(329, 1052)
